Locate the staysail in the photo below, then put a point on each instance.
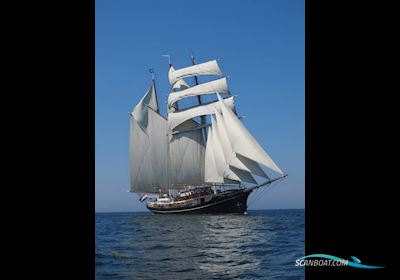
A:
(242, 141)
(223, 169)
(233, 159)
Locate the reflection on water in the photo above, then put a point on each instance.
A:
(261, 245)
(228, 245)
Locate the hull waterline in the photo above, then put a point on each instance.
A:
(229, 203)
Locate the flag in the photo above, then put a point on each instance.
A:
(143, 197)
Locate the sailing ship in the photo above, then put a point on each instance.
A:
(199, 158)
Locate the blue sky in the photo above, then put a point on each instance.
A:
(260, 44)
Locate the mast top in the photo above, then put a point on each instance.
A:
(169, 58)
(192, 57)
(151, 71)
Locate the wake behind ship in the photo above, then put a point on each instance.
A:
(199, 158)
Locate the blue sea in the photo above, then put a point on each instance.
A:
(263, 244)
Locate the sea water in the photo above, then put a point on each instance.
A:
(264, 244)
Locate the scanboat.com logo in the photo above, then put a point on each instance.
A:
(328, 260)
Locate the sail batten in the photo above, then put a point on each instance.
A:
(206, 68)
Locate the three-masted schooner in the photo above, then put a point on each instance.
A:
(199, 159)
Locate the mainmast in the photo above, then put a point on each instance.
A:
(187, 145)
(202, 118)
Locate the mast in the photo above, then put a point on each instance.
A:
(153, 80)
(186, 150)
(203, 118)
(168, 147)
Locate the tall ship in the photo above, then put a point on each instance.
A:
(199, 158)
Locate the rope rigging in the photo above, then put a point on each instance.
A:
(258, 194)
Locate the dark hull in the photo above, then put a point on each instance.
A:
(234, 202)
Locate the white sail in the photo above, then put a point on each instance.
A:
(251, 166)
(233, 159)
(186, 152)
(242, 141)
(217, 86)
(178, 84)
(206, 68)
(219, 157)
(140, 111)
(176, 118)
(148, 148)
(211, 174)
(244, 176)
(222, 166)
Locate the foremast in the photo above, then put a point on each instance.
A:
(202, 118)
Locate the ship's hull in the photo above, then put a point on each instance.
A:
(234, 202)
